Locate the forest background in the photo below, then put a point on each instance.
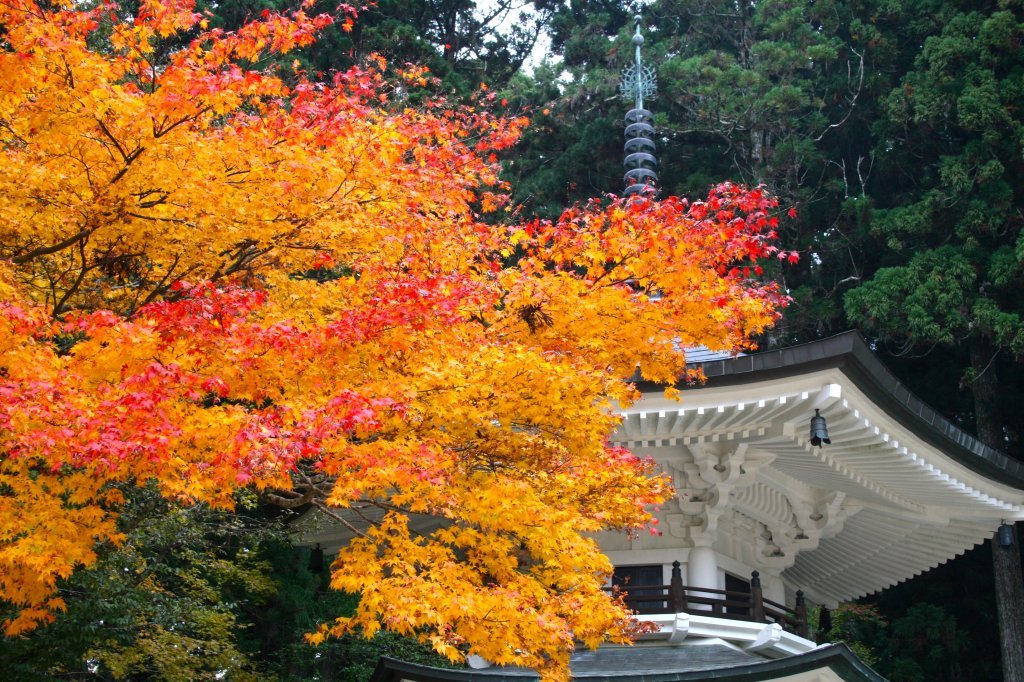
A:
(892, 126)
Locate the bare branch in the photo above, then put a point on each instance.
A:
(54, 248)
(322, 506)
(853, 100)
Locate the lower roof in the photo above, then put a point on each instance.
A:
(829, 663)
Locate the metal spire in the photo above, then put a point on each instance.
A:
(639, 81)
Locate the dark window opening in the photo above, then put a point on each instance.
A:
(734, 584)
(643, 586)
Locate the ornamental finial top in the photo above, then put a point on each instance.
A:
(638, 80)
(638, 39)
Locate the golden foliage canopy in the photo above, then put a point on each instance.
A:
(211, 277)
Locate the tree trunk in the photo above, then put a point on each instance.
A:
(1010, 605)
(1006, 565)
(985, 392)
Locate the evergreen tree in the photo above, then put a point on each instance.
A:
(950, 147)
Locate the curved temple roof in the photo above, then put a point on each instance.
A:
(850, 353)
(898, 491)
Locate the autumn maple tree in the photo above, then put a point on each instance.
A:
(214, 276)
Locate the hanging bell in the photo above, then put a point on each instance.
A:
(819, 430)
(1005, 535)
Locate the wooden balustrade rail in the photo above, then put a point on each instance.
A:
(677, 597)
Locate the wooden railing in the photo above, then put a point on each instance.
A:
(677, 597)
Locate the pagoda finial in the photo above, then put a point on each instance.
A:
(639, 81)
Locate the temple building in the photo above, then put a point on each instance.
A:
(805, 477)
(772, 515)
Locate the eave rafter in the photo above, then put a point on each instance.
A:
(864, 457)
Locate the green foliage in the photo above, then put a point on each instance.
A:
(163, 605)
(861, 628)
(300, 603)
(462, 44)
(939, 627)
(922, 644)
(353, 658)
(947, 218)
(953, 620)
(569, 153)
(928, 300)
(197, 594)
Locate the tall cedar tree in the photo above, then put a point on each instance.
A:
(952, 154)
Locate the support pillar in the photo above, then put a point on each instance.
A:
(774, 588)
(703, 572)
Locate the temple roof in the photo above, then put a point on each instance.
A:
(849, 352)
(898, 491)
(661, 664)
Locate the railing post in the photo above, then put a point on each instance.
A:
(756, 598)
(824, 625)
(801, 614)
(676, 593)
